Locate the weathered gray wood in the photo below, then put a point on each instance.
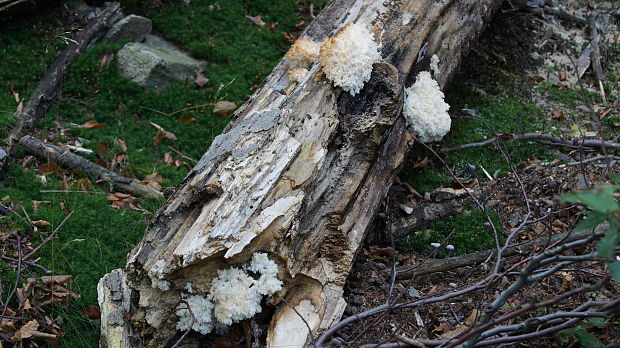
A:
(299, 174)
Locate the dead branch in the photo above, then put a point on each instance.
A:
(564, 15)
(19, 274)
(445, 202)
(547, 139)
(43, 96)
(443, 265)
(69, 160)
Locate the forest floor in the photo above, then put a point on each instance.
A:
(516, 79)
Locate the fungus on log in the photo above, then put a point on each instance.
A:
(298, 176)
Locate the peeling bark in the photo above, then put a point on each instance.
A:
(299, 174)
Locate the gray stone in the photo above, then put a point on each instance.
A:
(157, 41)
(155, 67)
(131, 28)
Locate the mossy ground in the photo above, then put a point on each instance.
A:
(97, 237)
(468, 232)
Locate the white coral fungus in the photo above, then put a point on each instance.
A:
(200, 315)
(347, 58)
(303, 52)
(425, 110)
(234, 296)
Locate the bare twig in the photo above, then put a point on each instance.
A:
(18, 278)
(181, 154)
(50, 237)
(29, 263)
(443, 265)
(191, 325)
(540, 137)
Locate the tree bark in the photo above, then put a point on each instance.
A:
(68, 160)
(299, 174)
(43, 96)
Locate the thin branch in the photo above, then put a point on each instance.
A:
(181, 154)
(50, 237)
(19, 274)
(540, 137)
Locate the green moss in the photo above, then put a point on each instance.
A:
(468, 232)
(569, 97)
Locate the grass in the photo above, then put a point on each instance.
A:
(468, 232)
(97, 237)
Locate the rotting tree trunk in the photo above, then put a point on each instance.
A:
(299, 174)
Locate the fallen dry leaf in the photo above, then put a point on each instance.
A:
(224, 108)
(557, 114)
(26, 331)
(200, 79)
(257, 20)
(123, 144)
(49, 168)
(186, 118)
(161, 134)
(92, 312)
(288, 38)
(92, 124)
(469, 322)
(56, 279)
(180, 163)
(83, 184)
(41, 223)
(421, 164)
(168, 158)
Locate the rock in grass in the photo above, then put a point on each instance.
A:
(131, 28)
(155, 67)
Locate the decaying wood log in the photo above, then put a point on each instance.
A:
(69, 160)
(46, 91)
(299, 175)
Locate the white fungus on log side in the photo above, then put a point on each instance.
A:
(425, 110)
(347, 58)
(234, 296)
(303, 53)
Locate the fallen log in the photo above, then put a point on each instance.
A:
(43, 96)
(68, 160)
(298, 176)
